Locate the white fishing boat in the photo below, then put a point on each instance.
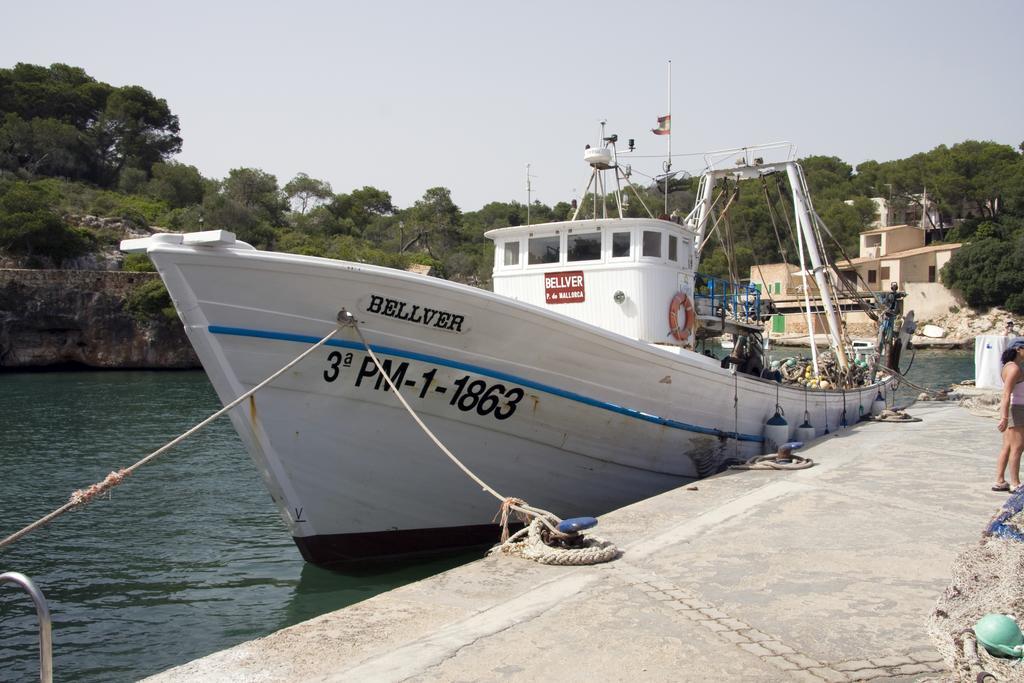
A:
(575, 385)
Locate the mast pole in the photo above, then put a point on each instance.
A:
(803, 216)
(668, 161)
(807, 297)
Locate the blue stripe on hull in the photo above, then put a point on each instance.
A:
(478, 370)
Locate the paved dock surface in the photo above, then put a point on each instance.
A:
(824, 574)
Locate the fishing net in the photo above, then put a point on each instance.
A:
(986, 579)
(799, 370)
(983, 404)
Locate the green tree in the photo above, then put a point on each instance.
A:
(827, 177)
(61, 92)
(989, 271)
(30, 227)
(150, 302)
(176, 184)
(500, 215)
(258, 192)
(353, 213)
(307, 191)
(42, 147)
(433, 223)
(66, 123)
(135, 130)
(248, 224)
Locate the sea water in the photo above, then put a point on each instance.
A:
(189, 555)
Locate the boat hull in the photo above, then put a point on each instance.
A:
(559, 413)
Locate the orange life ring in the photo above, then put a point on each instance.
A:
(680, 331)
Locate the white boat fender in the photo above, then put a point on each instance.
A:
(776, 430)
(878, 405)
(806, 432)
(824, 398)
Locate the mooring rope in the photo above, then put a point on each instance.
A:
(86, 495)
(530, 544)
(775, 462)
(603, 551)
(902, 378)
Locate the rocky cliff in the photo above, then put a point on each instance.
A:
(77, 317)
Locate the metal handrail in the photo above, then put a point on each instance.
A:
(43, 614)
(738, 301)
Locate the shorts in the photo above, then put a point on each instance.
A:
(1016, 416)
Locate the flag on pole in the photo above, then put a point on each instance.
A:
(664, 125)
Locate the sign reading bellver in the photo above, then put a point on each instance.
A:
(564, 288)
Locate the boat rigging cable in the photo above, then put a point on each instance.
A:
(819, 316)
(86, 495)
(569, 549)
(718, 220)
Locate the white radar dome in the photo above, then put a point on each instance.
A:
(598, 157)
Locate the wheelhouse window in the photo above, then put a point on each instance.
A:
(620, 245)
(652, 244)
(673, 248)
(511, 253)
(544, 250)
(585, 247)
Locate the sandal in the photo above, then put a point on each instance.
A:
(1015, 489)
(1002, 487)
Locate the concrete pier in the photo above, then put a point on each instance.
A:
(824, 574)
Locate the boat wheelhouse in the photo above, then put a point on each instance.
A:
(618, 274)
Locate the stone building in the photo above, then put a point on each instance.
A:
(889, 254)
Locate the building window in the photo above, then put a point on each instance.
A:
(620, 245)
(583, 247)
(673, 248)
(512, 253)
(652, 244)
(885, 273)
(931, 273)
(872, 276)
(544, 250)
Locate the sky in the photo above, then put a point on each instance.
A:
(405, 95)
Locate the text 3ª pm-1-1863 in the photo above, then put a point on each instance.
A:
(466, 394)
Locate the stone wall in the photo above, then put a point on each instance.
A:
(76, 317)
(931, 300)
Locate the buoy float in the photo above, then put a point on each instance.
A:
(878, 405)
(776, 431)
(1000, 635)
(806, 432)
(681, 331)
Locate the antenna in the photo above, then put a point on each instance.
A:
(529, 188)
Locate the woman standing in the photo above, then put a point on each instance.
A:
(1011, 418)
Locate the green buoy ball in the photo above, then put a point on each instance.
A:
(1000, 635)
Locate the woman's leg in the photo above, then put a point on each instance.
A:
(1004, 457)
(1016, 447)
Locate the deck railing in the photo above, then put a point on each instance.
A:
(721, 298)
